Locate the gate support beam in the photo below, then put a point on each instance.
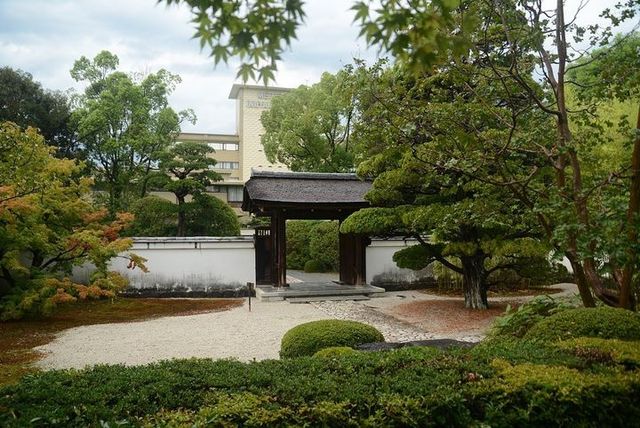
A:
(279, 234)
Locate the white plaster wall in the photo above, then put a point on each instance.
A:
(200, 264)
(381, 269)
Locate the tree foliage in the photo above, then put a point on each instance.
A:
(26, 103)
(207, 215)
(309, 128)
(185, 169)
(49, 226)
(580, 209)
(523, 54)
(258, 31)
(124, 122)
(417, 133)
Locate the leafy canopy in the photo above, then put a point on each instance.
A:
(25, 102)
(309, 128)
(124, 123)
(49, 226)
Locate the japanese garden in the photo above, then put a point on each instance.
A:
(442, 232)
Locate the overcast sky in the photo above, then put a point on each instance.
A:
(45, 37)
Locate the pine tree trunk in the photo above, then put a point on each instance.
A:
(181, 218)
(474, 281)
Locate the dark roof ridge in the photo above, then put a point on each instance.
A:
(306, 175)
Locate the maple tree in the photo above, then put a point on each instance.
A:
(49, 225)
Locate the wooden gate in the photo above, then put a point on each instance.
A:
(352, 258)
(264, 248)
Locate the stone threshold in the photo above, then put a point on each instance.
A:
(315, 290)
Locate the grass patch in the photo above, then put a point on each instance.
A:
(18, 338)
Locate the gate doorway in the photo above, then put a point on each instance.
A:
(304, 196)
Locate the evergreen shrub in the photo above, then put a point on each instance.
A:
(207, 215)
(335, 351)
(308, 338)
(324, 245)
(313, 241)
(603, 322)
(406, 387)
(154, 216)
(517, 322)
(312, 266)
(298, 236)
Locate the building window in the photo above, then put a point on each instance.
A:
(226, 165)
(224, 146)
(234, 193)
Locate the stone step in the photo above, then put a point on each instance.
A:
(325, 298)
(320, 290)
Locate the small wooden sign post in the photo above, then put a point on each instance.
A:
(250, 288)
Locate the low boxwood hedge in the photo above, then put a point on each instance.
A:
(406, 387)
(335, 351)
(604, 322)
(308, 338)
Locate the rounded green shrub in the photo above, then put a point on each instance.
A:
(308, 338)
(207, 215)
(604, 322)
(314, 266)
(335, 351)
(154, 216)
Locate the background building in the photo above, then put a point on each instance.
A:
(237, 154)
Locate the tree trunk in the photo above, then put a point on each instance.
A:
(181, 219)
(581, 281)
(627, 300)
(474, 281)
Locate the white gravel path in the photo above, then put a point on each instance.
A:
(235, 333)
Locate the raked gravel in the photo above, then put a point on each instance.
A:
(235, 333)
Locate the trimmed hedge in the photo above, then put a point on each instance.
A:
(308, 338)
(405, 387)
(335, 351)
(205, 215)
(298, 236)
(605, 322)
